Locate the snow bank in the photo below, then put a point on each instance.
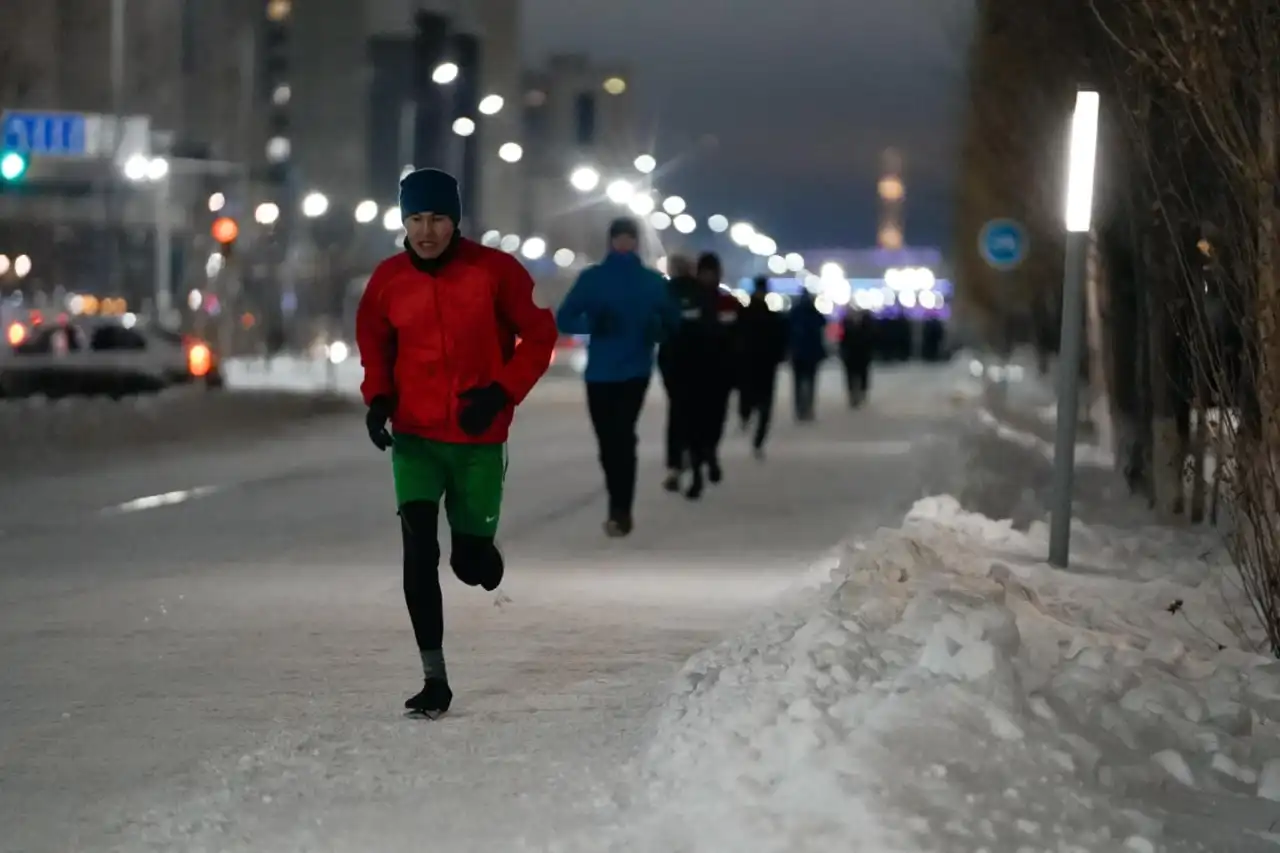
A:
(38, 431)
(948, 691)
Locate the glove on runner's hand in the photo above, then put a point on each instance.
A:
(481, 407)
(375, 421)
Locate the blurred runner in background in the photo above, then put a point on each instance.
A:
(627, 310)
(764, 347)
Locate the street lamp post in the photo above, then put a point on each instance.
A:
(1079, 215)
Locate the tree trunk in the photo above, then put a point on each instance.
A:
(1166, 444)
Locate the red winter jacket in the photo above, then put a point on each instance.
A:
(426, 338)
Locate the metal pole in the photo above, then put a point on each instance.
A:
(164, 252)
(1069, 353)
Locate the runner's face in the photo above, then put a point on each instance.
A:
(429, 234)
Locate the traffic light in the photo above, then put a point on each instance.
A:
(13, 165)
(225, 231)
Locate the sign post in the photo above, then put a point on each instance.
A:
(1003, 244)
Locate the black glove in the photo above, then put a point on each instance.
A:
(480, 407)
(380, 411)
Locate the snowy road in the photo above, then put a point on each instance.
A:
(207, 650)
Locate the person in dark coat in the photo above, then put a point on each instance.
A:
(856, 349)
(808, 351)
(686, 362)
(723, 361)
(764, 346)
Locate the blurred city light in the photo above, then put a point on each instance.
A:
(620, 192)
(217, 201)
(267, 213)
(645, 164)
(392, 220)
(686, 224)
(741, 233)
(838, 290)
(491, 105)
(762, 245)
(195, 298)
(12, 166)
(534, 248)
(775, 301)
(564, 257)
(584, 179)
(464, 126)
(491, 238)
(777, 264)
(135, 168)
(660, 220)
(717, 223)
(444, 73)
(337, 352)
(662, 265)
(510, 243)
(278, 149)
(281, 94)
(831, 270)
(406, 170)
(795, 261)
(4, 264)
(615, 85)
(674, 205)
(510, 152)
(366, 211)
(642, 204)
(315, 204)
(157, 169)
(22, 266)
(212, 266)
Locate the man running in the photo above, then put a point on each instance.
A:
(437, 328)
(764, 346)
(626, 309)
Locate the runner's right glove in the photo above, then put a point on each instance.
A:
(375, 421)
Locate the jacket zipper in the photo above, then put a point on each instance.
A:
(444, 352)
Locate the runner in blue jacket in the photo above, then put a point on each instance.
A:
(627, 310)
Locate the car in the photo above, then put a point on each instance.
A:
(111, 356)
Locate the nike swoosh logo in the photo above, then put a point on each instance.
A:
(490, 518)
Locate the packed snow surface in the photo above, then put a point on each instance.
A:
(947, 690)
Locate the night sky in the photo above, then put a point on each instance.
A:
(802, 96)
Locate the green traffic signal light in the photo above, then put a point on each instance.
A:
(12, 165)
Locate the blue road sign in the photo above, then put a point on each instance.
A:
(43, 134)
(1003, 243)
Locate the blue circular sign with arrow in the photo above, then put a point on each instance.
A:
(1003, 243)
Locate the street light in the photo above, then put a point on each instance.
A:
(584, 179)
(777, 264)
(686, 224)
(22, 266)
(444, 73)
(645, 164)
(366, 211)
(315, 204)
(674, 205)
(741, 233)
(660, 220)
(510, 152)
(392, 220)
(762, 245)
(564, 258)
(217, 201)
(831, 270)
(1079, 219)
(795, 261)
(135, 168)
(717, 223)
(491, 238)
(642, 204)
(267, 213)
(464, 126)
(620, 192)
(509, 243)
(157, 169)
(491, 105)
(534, 248)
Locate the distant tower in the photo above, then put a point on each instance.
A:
(893, 197)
